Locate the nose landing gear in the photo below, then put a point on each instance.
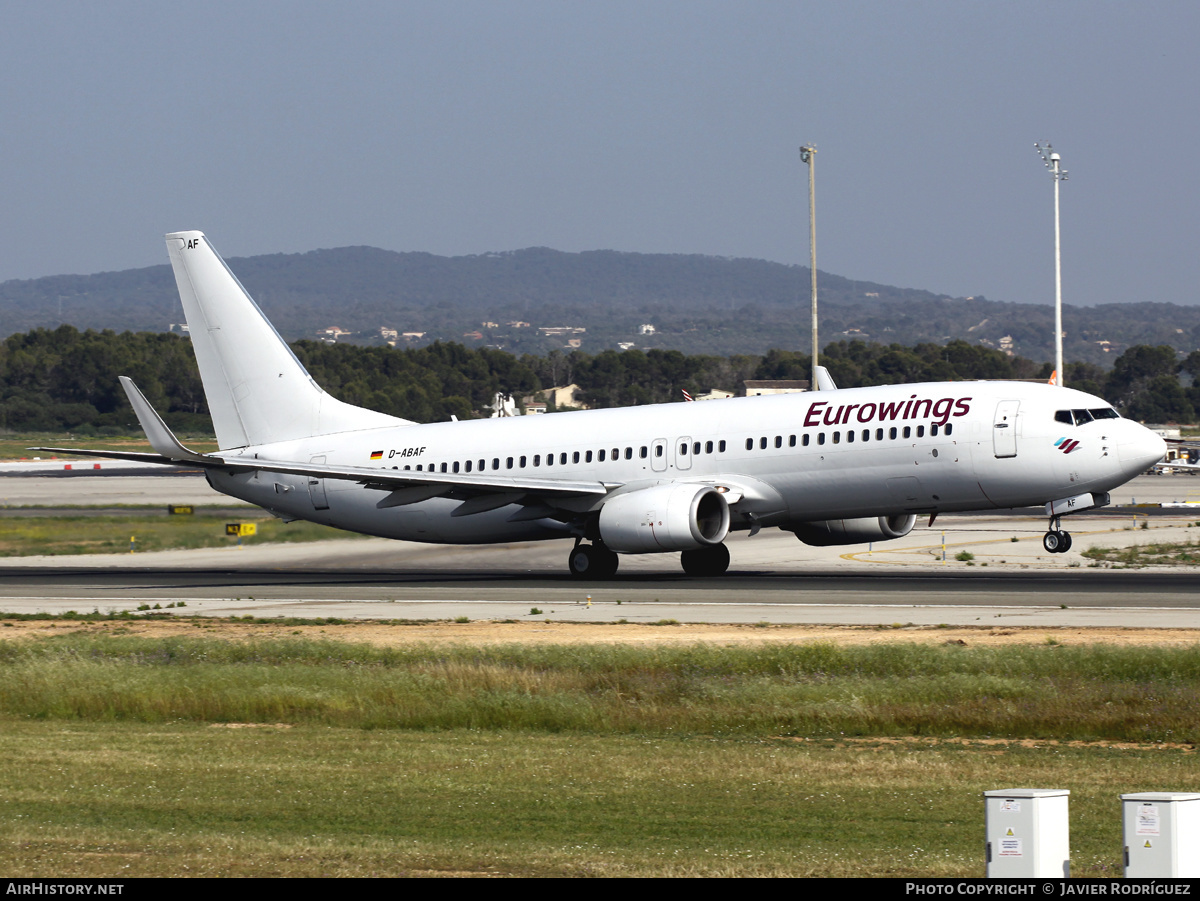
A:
(1056, 541)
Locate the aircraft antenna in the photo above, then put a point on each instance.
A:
(808, 155)
(1054, 163)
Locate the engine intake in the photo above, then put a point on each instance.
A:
(831, 532)
(680, 517)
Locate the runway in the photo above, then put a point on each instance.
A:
(772, 578)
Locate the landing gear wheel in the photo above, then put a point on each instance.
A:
(706, 561)
(592, 561)
(1057, 542)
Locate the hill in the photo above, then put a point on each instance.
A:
(599, 299)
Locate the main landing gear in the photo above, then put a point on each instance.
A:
(1056, 541)
(706, 561)
(592, 561)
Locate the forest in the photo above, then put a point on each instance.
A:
(64, 380)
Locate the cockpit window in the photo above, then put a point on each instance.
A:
(1079, 417)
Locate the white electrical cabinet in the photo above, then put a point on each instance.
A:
(1161, 833)
(1027, 832)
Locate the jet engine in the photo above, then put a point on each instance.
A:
(679, 517)
(830, 532)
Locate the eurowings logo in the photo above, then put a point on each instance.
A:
(1066, 445)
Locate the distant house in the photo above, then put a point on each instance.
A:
(756, 387)
(334, 331)
(412, 336)
(625, 345)
(388, 334)
(574, 343)
(715, 394)
(535, 408)
(474, 336)
(517, 323)
(559, 331)
(489, 325)
(565, 396)
(646, 329)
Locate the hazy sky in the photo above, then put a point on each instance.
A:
(466, 127)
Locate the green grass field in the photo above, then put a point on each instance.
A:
(86, 534)
(138, 756)
(16, 447)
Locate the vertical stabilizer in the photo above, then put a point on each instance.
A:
(258, 392)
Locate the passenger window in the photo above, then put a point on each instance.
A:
(749, 444)
(562, 458)
(721, 446)
(508, 463)
(850, 436)
(419, 467)
(549, 459)
(791, 440)
(522, 462)
(643, 452)
(866, 436)
(616, 454)
(575, 457)
(933, 430)
(443, 467)
(907, 432)
(588, 456)
(762, 442)
(537, 459)
(805, 440)
(949, 428)
(920, 431)
(779, 441)
(837, 437)
(820, 437)
(696, 448)
(879, 434)
(708, 447)
(495, 462)
(629, 453)
(408, 468)
(892, 433)
(456, 466)
(602, 455)
(482, 465)
(683, 450)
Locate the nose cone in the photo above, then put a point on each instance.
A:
(1139, 449)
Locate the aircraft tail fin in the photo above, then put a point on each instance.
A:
(258, 392)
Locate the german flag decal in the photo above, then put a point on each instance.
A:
(376, 455)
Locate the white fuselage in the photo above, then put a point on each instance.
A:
(861, 452)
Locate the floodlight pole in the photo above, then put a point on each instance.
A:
(1054, 163)
(809, 155)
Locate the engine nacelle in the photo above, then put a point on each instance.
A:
(830, 532)
(680, 517)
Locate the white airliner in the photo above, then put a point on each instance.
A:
(834, 466)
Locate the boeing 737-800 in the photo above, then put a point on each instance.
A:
(834, 466)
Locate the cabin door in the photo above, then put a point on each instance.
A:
(1004, 428)
(316, 488)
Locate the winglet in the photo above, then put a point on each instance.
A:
(825, 380)
(161, 438)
